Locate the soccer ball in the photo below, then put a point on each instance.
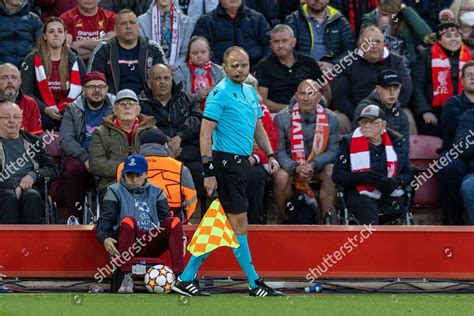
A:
(159, 279)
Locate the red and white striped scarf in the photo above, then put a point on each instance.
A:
(320, 140)
(175, 31)
(75, 87)
(360, 161)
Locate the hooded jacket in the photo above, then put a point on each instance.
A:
(338, 35)
(18, 33)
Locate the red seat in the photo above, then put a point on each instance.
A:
(423, 152)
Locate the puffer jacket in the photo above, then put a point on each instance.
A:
(452, 111)
(338, 35)
(283, 122)
(181, 116)
(465, 134)
(396, 118)
(109, 147)
(185, 29)
(18, 33)
(250, 31)
(73, 127)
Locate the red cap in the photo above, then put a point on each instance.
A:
(94, 75)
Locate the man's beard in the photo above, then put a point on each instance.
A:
(95, 104)
(8, 95)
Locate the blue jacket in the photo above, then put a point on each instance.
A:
(464, 136)
(250, 31)
(18, 33)
(453, 109)
(338, 35)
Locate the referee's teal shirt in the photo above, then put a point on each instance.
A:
(236, 110)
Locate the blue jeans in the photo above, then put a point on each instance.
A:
(467, 193)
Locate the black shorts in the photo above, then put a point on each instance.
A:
(232, 173)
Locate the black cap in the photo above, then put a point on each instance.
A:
(388, 78)
(155, 136)
(372, 112)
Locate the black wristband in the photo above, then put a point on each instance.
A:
(272, 155)
(209, 170)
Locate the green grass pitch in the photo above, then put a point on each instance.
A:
(235, 304)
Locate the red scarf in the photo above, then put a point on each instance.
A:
(75, 88)
(441, 73)
(360, 161)
(320, 141)
(195, 84)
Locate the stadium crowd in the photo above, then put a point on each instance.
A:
(342, 87)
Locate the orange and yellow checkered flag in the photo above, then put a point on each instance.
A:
(213, 232)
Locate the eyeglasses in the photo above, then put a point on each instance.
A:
(130, 103)
(469, 75)
(11, 118)
(99, 87)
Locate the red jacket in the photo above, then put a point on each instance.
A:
(31, 114)
(272, 132)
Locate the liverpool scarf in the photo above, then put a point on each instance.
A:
(75, 88)
(200, 78)
(320, 141)
(360, 161)
(175, 31)
(441, 73)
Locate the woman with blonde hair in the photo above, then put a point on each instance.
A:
(52, 73)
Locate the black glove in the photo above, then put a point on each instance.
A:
(367, 177)
(388, 185)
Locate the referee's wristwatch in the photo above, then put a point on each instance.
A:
(272, 155)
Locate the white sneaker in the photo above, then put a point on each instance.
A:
(73, 220)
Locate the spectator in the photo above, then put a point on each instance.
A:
(467, 29)
(54, 8)
(257, 181)
(353, 10)
(322, 32)
(52, 73)
(464, 134)
(166, 24)
(451, 176)
(86, 25)
(19, 24)
(25, 164)
(134, 209)
(199, 74)
(372, 167)
(10, 82)
(196, 8)
(401, 27)
(270, 9)
(459, 7)
(169, 174)
(233, 24)
(280, 73)
(117, 137)
(80, 119)
(138, 7)
(430, 10)
(308, 143)
(385, 96)
(444, 16)
(436, 76)
(126, 59)
(178, 117)
(358, 79)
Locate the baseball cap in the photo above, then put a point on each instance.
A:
(136, 164)
(388, 78)
(372, 112)
(94, 75)
(153, 135)
(126, 94)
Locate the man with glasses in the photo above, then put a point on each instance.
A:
(10, 81)
(117, 137)
(24, 164)
(373, 167)
(126, 59)
(385, 96)
(79, 121)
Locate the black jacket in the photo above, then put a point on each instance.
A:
(465, 136)
(105, 59)
(43, 163)
(250, 31)
(453, 109)
(342, 173)
(181, 116)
